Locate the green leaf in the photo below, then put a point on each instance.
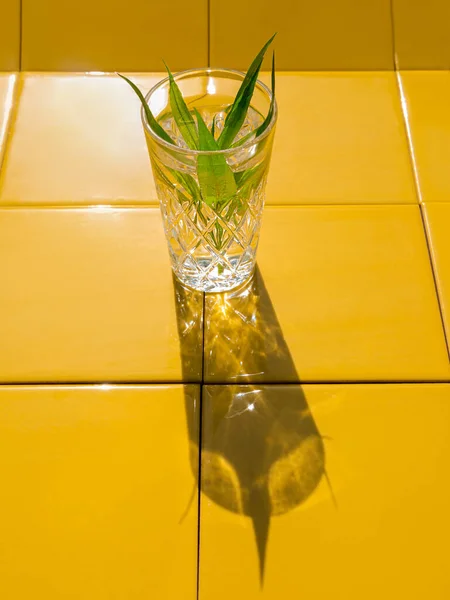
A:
(190, 192)
(259, 130)
(181, 114)
(269, 116)
(216, 179)
(188, 183)
(182, 196)
(251, 177)
(190, 186)
(236, 116)
(244, 139)
(148, 113)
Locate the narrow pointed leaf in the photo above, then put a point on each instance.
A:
(244, 139)
(259, 130)
(251, 176)
(268, 118)
(181, 114)
(236, 116)
(216, 179)
(148, 113)
(182, 196)
(189, 184)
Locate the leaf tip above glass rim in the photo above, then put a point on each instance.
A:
(181, 113)
(241, 104)
(215, 185)
(235, 115)
(153, 123)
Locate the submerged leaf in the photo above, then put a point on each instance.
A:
(236, 116)
(181, 114)
(216, 178)
(153, 123)
(251, 177)
(188, 182)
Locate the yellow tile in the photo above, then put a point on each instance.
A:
(78, 140)
(88, 295)
(343, 293)
(421, 34)
(94, 484)
(10, 35)
(322, 153)
(427, 96)
(311, 35)
(273, 459)
(340, 139)
(7, 88)
(438, 223)
(111, 35)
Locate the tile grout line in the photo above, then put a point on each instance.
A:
(208, 33)
(20, 33)
(394, 56)
(82, 206)
(425, 228)
(6, 134)
(413, 162)
(427, 231)
(332, 382)
(105, 384)
(200, 439)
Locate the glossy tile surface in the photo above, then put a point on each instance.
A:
(95, 481)
(325, 35)
(325, 492)
(7, 89)
(340, 140)
(438, 223)
(78, 140)
(421, 34)
(342, 294)
(113, 35)
(427, 95)
(10, 35)
(88, 295)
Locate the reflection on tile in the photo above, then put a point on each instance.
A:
(7, 95)
(342, 294)
(340, 139)
(111, 35)
(427, 95)
(345, 482)
(421, 34)
(326, 35)
(10, 35)
(438, 222)
(95, 481)
(87, 295)
(78, 140)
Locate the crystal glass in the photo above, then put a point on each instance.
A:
(212, 222)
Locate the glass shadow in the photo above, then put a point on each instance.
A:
(261, 452)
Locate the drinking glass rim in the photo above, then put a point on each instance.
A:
(208, 70)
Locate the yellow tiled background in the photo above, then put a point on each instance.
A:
(311, 409)
(84, 35)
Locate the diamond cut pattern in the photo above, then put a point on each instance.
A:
(218, 249)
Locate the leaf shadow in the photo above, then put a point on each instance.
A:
(262, 454)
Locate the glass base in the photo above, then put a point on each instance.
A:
(216, 280)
